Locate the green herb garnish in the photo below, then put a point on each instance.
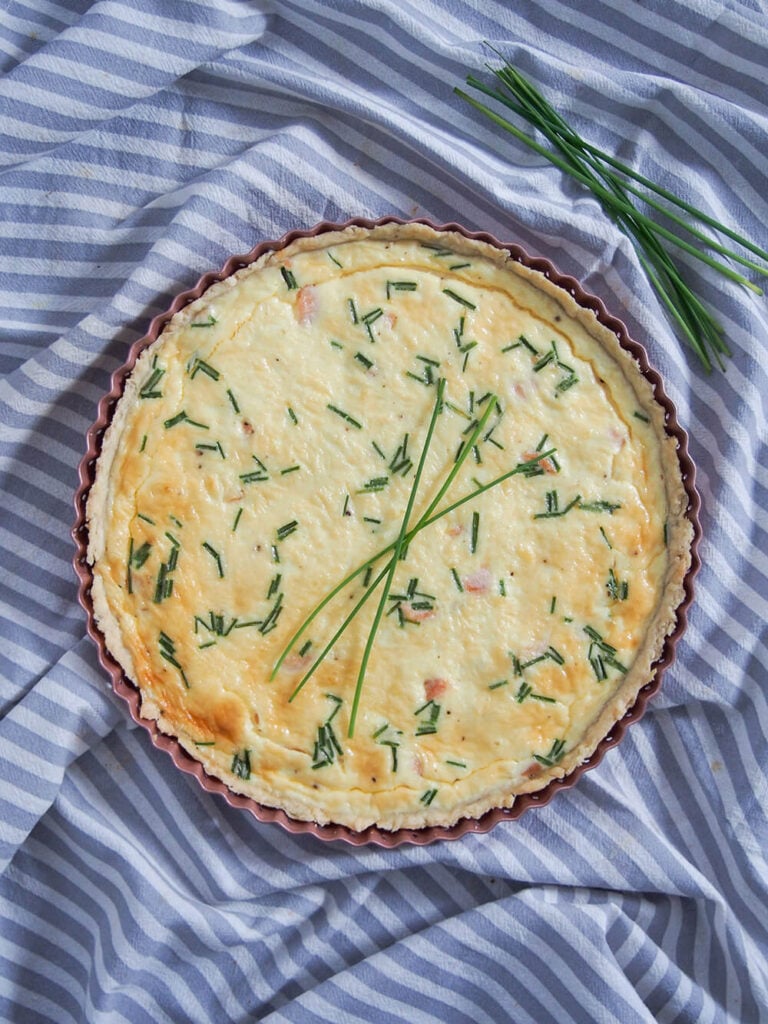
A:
(554, 755)
(345, 416)
(200, 366)
(400, 286)
(182, 417)
(241, 764)
(168, 652)
(600, 506)
(210, 322)
(428, 724)
(387, 736)
(141, 555)
(288, 277)
(614, 184)
(475, 531)
(601, 653)
(149, 390)
(459, 298)
(215, 556)
(618, 589)
(287, 529)
(552, 505)
(327, 746)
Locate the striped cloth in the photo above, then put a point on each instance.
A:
(142, 144)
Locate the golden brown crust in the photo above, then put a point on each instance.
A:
(222, 718)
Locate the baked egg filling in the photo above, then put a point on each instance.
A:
(266, 447)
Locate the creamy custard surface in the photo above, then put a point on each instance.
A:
(266, 446)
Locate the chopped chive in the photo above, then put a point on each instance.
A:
(377, 483)
(475, 529)
(427, 797)
(457, 764)
(140, 515)
(618, 589)
(457, 410)
(182, 417)
(141, 555)
(233, 400)
(353, 311)
(143, 444)
(605, 538)
(288, 277)
(287, 529)
(128, 573)
(290, 469)
(555, 656)
(274, 585)
(552, 506)
(554, 755)
(205, 323)
(336, 344)
(495, 686)
(437, 250)
(200, 366)
(457, 581)
(458, 298)
(345, 416)
(459, 266)
(292, 415)
(241, 764)
(327, 746)
(400, 286)
(502, 587)
(598, 667)
(149, 390)
(333, 259)
(366, 362)
(345, 510)
(600, 506)
(552, 606)
(215, 556)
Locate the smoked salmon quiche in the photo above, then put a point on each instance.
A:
(387, 529)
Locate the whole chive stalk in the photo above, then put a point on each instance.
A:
(612, 184)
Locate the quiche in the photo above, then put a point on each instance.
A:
(386, 529)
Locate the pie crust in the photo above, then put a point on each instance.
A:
(266, 444)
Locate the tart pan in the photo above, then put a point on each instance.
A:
(125, 689)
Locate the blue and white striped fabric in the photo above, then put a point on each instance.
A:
(142, 144)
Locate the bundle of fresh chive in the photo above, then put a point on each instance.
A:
(614, 185)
